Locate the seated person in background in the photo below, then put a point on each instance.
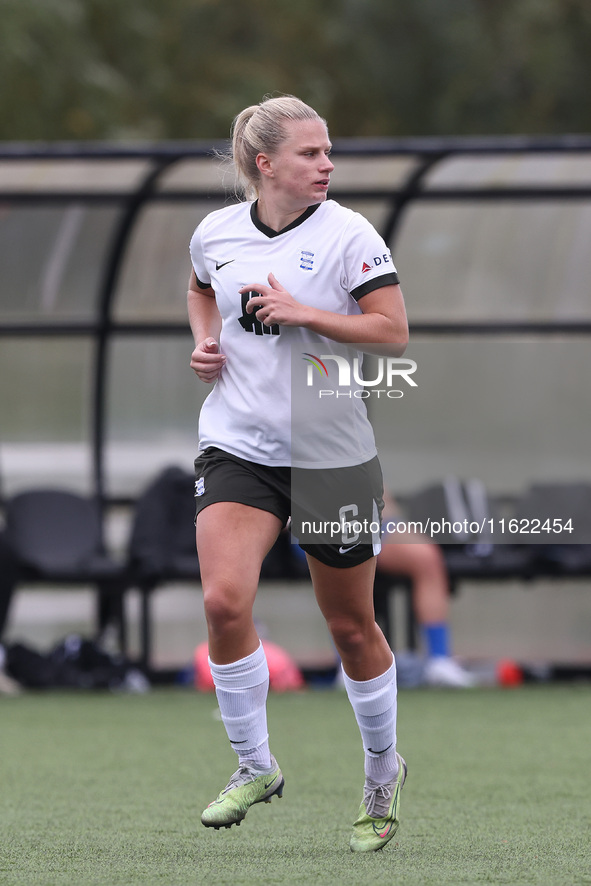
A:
(422, 561)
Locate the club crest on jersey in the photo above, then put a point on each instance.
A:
(306, 260)
(199, 486)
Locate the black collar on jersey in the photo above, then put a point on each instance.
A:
(269, 232)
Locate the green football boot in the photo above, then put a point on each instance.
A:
(245, 788)
(377, 821)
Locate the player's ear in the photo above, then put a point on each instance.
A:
(264, 165)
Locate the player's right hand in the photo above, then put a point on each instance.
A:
(206, 360)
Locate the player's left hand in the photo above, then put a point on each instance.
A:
(274, 304)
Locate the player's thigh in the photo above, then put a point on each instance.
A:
(344, 593)
(232, 541)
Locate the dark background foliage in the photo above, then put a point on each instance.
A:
(148, 69)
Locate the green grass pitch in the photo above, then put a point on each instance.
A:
(108, 790)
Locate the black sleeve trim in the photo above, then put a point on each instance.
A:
(200, 284)
(375, 283)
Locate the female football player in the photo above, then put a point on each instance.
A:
(280, 281)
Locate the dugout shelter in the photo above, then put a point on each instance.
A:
(490, 237)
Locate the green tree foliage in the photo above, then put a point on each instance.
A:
(95, 69)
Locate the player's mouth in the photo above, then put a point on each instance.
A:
(323, 184)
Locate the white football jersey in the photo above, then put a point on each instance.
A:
(265, 405)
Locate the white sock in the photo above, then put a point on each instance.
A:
(374, 704)
(241, 688)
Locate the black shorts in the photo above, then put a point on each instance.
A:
(335, 513)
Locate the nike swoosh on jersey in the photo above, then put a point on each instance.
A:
(223, 264)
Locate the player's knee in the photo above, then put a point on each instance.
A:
(349, 634)
(224, 608)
